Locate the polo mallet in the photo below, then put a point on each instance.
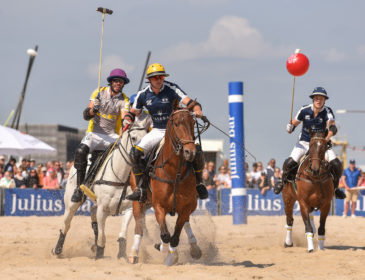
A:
(109, 12)
(104, 11)
(297, 65)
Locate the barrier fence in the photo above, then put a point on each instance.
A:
(29, 202)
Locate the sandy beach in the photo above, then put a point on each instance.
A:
(252, 251)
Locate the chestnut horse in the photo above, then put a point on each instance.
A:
(172, 187)
(313, 189)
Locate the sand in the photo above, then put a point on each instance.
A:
(252, 251)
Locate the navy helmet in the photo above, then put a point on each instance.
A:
(319, 91)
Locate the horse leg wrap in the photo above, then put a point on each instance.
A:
(189, 233)
(309, 236)
(172, 256)
(321, 239)
(122, 247)
(99, 252)
(288, 239)
(59, 245)
(94, 226)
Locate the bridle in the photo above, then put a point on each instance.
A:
(177, 143)
(323, 142)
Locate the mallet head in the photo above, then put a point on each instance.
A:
(104, 10)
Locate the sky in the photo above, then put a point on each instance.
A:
(203, 44)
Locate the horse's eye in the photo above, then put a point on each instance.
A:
(176, 124)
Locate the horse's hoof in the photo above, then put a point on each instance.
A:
(133, 259)
(195, 251)
(56, 252)
(310, 251)
(157, 246)
(99, 252)
(288, 246)
(172, 258)
(122, 247)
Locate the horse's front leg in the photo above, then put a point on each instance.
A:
(101, 216)
(122, 240)
(139, 216)
(289, 201)
(172, 256)
(70, 210)
(94, 226)
(322, 223)
(305, 210)
(160, 214)
(195, 251)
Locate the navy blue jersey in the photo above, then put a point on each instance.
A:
(319, 123)
(159, 105)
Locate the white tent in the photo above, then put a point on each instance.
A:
(13, 142)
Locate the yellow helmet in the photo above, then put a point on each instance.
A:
(156, 69)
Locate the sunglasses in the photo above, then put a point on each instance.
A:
(158, 77)
(121, 81)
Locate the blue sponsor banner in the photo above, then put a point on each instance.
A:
(30, 202)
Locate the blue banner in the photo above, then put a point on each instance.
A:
(29, 202)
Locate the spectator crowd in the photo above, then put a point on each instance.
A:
(28, 174)
(258, 177)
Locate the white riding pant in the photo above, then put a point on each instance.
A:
(98, 141)
(151, 139)
(302, 147)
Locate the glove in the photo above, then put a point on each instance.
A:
(290, 128)
(96, 106)
(126, 122)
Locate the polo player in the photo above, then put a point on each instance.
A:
(315, 117)
(158, 98)
(108, 106)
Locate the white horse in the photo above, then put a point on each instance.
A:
(111, 183)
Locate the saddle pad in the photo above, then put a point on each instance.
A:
(159, 147)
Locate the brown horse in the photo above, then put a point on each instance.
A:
(172, 182)
(313, 190)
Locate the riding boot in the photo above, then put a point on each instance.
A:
(198, 165)
(336, 170)
(200, 187)
(290, 168)
(80, 165)
(140, 192)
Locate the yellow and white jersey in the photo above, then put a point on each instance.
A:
(108, 119)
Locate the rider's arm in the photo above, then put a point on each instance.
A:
(197, 108)
(332, 129)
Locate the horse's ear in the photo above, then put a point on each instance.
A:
(175, 104)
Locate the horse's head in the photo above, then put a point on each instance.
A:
(181, 132)
(317, 150)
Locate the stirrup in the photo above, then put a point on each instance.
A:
(339, 194)
(138, 195)
(77, 195)
(202, 191)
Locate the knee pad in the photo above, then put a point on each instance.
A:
(81, 156)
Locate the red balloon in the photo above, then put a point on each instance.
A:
(297, 64)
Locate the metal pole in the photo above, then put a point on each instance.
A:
(18, 113)
(236, 154)
(144, 70)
